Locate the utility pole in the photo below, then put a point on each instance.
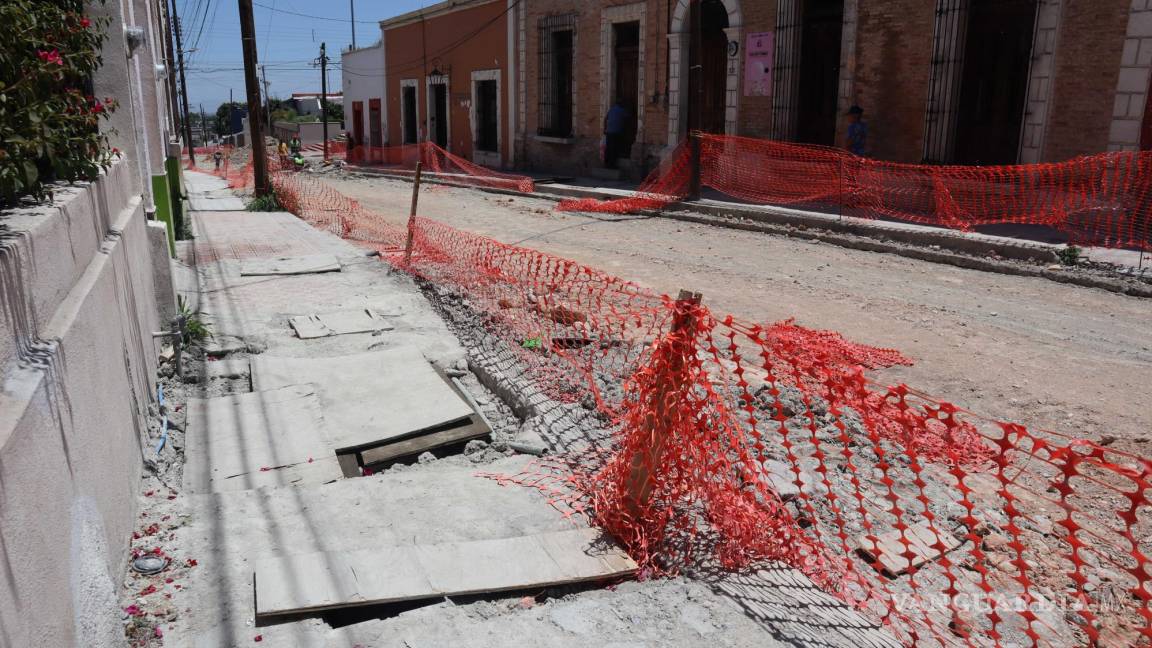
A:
(173, 96)
(231, 135)
(203, 126)
(183, 83)
(352, 8)
(252, 84)
(324, 96)
(267, 96)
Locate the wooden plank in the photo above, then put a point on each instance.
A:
(257, 440)
(369, 399)
(474, 429)
(284, 265)
(308, 583)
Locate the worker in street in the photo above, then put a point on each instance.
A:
(857, 138)
(298, 161)
(615, 124)
(294, 144)
(218, 157)
(282, 151)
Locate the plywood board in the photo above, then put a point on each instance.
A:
(257, 439)
(319, 325)
(314, 582)
(369, 399)
(290, 265)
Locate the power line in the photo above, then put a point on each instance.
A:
(302, 15)
(419, 62)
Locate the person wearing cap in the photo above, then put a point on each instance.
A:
(857, 140)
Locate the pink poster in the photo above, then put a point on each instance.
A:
(758, 64)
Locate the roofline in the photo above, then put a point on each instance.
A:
(431, 11)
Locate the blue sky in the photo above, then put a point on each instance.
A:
(287, 44)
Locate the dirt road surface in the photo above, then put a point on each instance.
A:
(1047, 355)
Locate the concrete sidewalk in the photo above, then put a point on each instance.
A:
(430, 502)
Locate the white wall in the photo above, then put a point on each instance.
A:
(363, 72)
(77, 365)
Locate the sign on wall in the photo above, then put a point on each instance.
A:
(758, 64)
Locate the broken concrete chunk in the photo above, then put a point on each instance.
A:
(527, 439)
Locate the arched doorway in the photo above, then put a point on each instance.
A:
(705, 70)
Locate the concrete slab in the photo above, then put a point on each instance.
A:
(227, 368)
(364, 320)
(256, 440)
(307, 583)
(290, 265)
(369, 398)
(215, 203)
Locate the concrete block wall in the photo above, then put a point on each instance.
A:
(81, 299)
(1133, 83)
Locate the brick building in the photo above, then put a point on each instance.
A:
(438, 74)
(944, 81)
(949, 81)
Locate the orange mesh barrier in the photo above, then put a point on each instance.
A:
(1103, 200)
(727, 443)
(448, 166)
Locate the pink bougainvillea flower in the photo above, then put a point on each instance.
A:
(50, 57)
(85, 23)
(158, 632)
(97, 108)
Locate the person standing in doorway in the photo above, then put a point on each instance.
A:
(615, 125)
(857, 140)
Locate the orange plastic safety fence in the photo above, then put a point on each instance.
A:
(447, 166)
(729, 443)
(1103, 200)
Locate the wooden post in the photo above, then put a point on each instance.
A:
(412, 214)
(694, 178)
(676, 354)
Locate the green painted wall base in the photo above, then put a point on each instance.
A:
(162, 196)
(176, 191)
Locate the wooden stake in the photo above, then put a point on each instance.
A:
(661, 418)
(412, 214)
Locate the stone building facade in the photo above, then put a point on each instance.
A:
(941, 81)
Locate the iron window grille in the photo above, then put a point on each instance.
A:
(557, 57)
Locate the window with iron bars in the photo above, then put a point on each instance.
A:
(557, 52)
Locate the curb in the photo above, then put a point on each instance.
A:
(956, 249)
